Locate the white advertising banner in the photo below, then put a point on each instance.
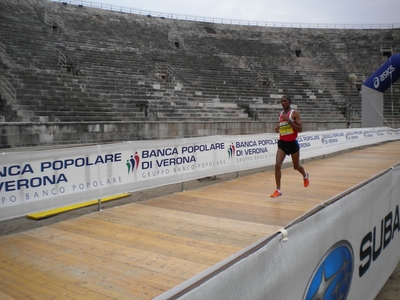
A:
(34, 181)
(346, 250)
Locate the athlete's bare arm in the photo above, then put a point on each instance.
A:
(298, 126)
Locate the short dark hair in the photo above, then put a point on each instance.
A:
(287, 98)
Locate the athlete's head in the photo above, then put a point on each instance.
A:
(287, 98)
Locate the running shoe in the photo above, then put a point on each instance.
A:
(276, 194)
(306, 180)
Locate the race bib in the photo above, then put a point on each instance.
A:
(285, 128)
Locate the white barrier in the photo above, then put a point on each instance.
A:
(345, 249)
(41, 180)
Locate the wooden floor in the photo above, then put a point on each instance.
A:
(140, 250)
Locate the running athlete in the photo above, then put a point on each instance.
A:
(288, 129)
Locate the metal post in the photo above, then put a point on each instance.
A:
(348, 106)
(99, 205)
(352, 80)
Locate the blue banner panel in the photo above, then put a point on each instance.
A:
(386, 75)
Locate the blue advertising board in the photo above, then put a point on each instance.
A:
(386, 75)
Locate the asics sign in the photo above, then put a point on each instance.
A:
(386, 75)
(383, 76)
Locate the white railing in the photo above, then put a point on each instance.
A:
(62, 60)
(270, 76)
(224, 21)
(175, 37)
(160, 68)
(2, 49)
(164, 71)
(47, 20)
(263, 77)
(8, 90)
(170, 72)
(60, 22)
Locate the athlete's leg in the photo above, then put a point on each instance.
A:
(280, 157)
(296, 163)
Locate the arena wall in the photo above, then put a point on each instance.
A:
(85, 75)
(17, 135)
(54, 134)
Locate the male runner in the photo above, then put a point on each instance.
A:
(288, 129)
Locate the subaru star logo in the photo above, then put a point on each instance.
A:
(332, 277)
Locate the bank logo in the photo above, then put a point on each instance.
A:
(231, 151)
(332, 277)
(133, 163)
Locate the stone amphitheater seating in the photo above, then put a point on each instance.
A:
(214, 74)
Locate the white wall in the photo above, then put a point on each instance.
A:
(371, 108)
(39, 180)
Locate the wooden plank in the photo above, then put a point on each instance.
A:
(119, 257)
(195, 228)
(140, 250)
(46, 281)
(28, 288)
(149, 240)
(8, 293)
(60, 210)
(87, 279)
